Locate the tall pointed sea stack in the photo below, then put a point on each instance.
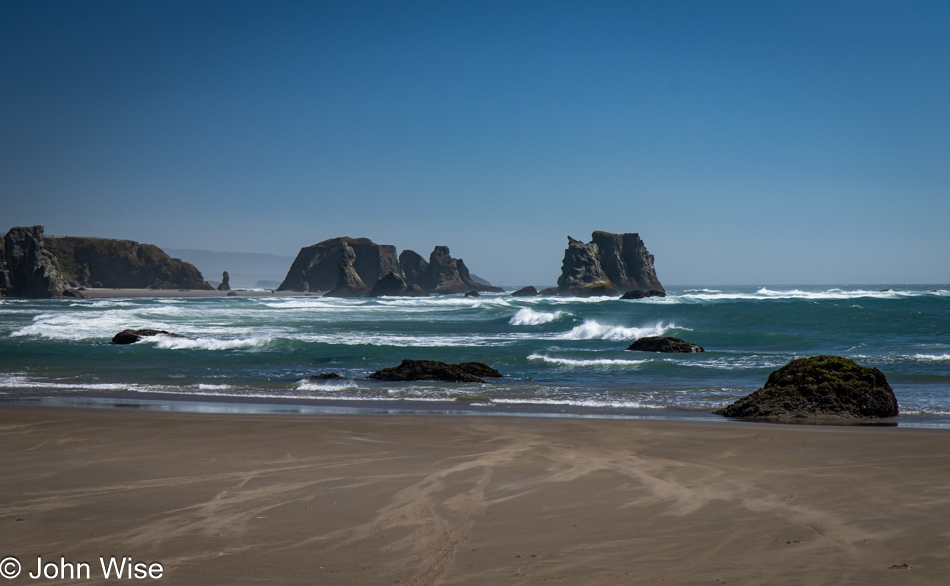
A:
(27, 268)
(608, 265)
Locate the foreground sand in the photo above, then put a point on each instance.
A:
(272, 499)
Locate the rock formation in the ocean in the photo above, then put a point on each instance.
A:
(472, 294)
(133, 336)
(414, 266)
(818, 388)
(123, 264)
(348, 281)
(639, 294)
(27, 267)
(664, 344)
(393, 285)
(528, 291)
(610, 264)
(581, 273)
(443, 274)
(465, 372)
(324, 376)
(319, 265)
(225, 284)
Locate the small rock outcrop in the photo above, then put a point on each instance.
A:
(348, 281)
(465, 372)
(27, 267)
(610, 264)
(225, 284)
(393, 285)
(548, 291)
(664, 344)
(818, 388)
(528, 291)
(133, 336)
(472, 294)
(319, 264)
(122, 264)
(639, 294)
(324, 376)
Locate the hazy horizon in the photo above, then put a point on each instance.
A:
(747, 143)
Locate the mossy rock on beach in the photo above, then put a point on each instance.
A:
(820, 387)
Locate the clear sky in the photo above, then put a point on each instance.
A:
(758, 142)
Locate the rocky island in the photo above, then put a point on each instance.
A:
(356, 267)
(609, 265)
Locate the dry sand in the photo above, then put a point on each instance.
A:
(281, 499)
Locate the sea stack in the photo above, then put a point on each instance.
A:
(225, 284)
(610, 264)
(27, 268)
(319, 265)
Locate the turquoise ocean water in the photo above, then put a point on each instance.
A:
(559, 356)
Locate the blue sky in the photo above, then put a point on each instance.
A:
(747, 142)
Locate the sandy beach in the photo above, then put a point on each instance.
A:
(274, 499)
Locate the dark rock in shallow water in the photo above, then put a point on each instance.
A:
(466, 372)
(132, 336)
(232, 294)
(27, 267)
(547, 291)
(324, 376)
(348, 282)
(528, 291)
(472, 294)
(225, 284)
(393, 285)
(664, 344)
(638, 294)
(819, 388)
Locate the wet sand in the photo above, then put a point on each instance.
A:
(283, 499)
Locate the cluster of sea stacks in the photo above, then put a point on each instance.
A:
(611, 264)
(34, 266)
(358, 267)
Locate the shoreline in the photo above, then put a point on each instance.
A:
(265, 405)
(358, 499)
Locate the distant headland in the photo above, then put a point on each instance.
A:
(36, 266)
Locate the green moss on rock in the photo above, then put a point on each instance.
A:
(819, 387)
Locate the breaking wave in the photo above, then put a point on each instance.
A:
(530, 317)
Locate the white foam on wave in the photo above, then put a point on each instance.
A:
(213, 387)
(764, 294)
(932, 356)
(579, 403)
(323, 385)
(19, 381)
(529, 317)
(586, 363)
(170, 343)
(593, 330)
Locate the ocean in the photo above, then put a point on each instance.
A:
(559, 356)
